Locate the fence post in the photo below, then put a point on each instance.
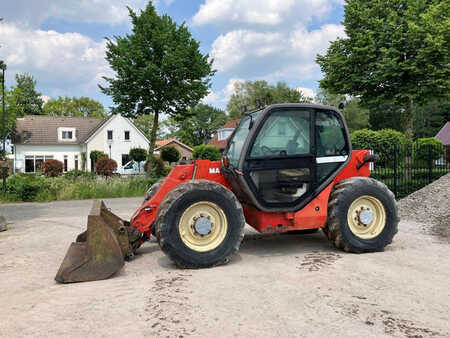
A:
(395, 169)
(430, 164)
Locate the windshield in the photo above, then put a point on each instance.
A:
(238, 139)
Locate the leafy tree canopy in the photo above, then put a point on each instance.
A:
(74, 106)
(199, 128)
(247, 93)
(159, 69)
(356, 116)
(396, 51)
(145, 125)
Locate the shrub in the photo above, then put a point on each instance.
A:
(8, 168)
(170, 154)
(158, 168)
(382, 142)
(75, 174)
(105, 166)
(429, 149)
(96, 155)
(204, 152)
(26, 186)
(52, 168)
(138, 154)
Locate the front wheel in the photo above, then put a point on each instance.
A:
(200, 224)
(362, 215)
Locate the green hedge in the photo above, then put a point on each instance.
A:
(205, 152)
(382, 142)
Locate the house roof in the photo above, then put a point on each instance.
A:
(163, 143)
(223, 143)
(43, 129)
(444, 134)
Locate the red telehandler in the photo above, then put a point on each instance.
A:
(287, 167)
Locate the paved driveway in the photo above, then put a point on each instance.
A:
(290, 285)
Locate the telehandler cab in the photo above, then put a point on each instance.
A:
(287, 167)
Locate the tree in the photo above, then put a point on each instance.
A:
(21, 99)
(247, 93)
(25, 100)
(138, 155)
(356, 116)
(159, 69)
(395, 51)
(73, 106)
(199, 128)
(430, 118)
(145, 124)
(170, 154)
(95, 155)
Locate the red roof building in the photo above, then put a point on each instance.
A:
(220, 139)
(444, 136)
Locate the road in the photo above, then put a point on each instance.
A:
(277, 286)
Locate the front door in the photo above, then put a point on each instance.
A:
(280, 165)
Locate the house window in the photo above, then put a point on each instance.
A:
(76, 162)
(125, 159)
(67, 135)
(34, 163)
(65, 162)
(110, 135)
(29, 164)
(39, 160)
(223, 134)
(127, 135)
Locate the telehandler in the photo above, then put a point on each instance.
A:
(286, 167)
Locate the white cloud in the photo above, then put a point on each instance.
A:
(261, 12)
(307, 92)
(221, 97)
(68, 62)
(33, 13)
(273, 55)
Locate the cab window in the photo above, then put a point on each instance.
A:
(284, 133)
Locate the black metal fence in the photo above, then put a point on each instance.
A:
(407, 168)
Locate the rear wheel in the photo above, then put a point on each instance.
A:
(200, 224)
(362, 215)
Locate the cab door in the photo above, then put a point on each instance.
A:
(280, 165)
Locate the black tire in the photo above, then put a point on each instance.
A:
(171, 210)
(343, 195)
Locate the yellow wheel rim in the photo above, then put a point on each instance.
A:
(366, 217)
(203, 226)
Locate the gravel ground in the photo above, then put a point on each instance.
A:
(431, 207)
(277, 286)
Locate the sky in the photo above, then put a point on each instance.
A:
(62, 43)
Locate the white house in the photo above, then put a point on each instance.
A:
(71, 139)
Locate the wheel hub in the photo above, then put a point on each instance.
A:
(203, 226)
(365, 217)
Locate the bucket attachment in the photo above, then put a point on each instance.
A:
(98, 252)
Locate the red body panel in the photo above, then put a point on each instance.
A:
(313, 215)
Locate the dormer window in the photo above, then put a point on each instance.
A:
(66, 134)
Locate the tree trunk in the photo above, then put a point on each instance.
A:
(152, 144)
(409, 118)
